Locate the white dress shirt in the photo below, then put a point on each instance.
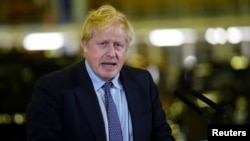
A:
(120, 100)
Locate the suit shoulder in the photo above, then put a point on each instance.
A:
(133, 69)
(64, 74)
(135, 72)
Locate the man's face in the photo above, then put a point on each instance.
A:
(106, 52)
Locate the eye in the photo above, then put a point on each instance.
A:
(103, 44)
(118, 46)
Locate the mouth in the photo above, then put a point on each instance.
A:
(109, 65)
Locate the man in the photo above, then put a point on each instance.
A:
(70, 104)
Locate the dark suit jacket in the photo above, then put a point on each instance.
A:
(64, 107)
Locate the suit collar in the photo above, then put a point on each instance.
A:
(86, 96)
(133, 99)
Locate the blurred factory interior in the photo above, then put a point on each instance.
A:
(201, 45)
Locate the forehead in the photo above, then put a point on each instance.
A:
(115, 33)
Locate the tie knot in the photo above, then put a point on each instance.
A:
(107, 85)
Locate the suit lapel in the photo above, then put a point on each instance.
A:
(86, 96)
(133, 100)
(88, 102)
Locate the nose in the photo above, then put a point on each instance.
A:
(111, 51)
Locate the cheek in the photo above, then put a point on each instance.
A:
(92, 51)
(122, 56)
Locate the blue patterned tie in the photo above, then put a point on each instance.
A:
(114, 126)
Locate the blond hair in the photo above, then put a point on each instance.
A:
(104, 17)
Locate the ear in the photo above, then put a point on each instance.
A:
(84, 46)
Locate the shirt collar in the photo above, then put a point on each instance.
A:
(97, 81)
